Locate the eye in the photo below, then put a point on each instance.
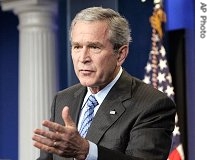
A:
(76, 47)
(94, 48)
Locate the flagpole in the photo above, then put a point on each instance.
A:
(158, 17)
(158, 74)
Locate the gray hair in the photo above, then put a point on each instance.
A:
(119, 31)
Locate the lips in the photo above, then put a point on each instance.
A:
(86, 71)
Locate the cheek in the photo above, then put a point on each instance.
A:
(106, 66)
(103, 63)
(74, 60)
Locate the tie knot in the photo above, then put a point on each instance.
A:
(92, 102)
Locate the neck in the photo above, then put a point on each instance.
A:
(96, 89)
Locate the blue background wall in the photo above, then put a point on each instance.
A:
(8, 86)
(180, 16)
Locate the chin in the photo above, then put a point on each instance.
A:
(85, 83)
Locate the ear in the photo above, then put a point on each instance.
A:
(122, 54)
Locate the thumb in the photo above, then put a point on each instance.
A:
(67, 118)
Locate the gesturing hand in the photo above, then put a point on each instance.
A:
(64, 141)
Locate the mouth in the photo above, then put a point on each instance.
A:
(86, 71)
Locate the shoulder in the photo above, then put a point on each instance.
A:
(69, 95)
(71, 91)
(145, 93)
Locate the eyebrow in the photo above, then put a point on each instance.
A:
(88, 43)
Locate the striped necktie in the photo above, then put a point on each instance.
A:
(88, 116)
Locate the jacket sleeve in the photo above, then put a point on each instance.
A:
(105, 154)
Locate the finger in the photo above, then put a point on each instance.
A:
(53, 126)
(54, 150)
(48, 149)
(67, 118)
(44, 141)
(43, 147)
(47, 134)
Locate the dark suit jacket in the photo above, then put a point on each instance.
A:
(141, 128)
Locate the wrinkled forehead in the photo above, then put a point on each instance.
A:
(97, 29)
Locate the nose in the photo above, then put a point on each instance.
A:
(85, 55)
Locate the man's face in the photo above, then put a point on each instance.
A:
(95, 62)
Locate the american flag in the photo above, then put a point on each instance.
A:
(158, 74)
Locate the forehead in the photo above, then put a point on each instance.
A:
(91, 30)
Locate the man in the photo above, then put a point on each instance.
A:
(132, 120)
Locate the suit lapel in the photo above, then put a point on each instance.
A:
(74, 104)
(77, 103)
(111, 108)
